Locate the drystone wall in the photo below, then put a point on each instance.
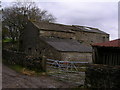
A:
(96, 37)
(102, 76)
(19, 58)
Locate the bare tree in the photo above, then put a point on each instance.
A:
(14, 17)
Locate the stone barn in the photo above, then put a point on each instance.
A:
(65, 42)
(107, 53)
(84, 34)
(65, 50)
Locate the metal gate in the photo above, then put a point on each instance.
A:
(67, 66)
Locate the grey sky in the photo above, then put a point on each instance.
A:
(102, 15)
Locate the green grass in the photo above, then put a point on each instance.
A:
(23, 70)
(7, 40)
(26, 71)
(82, 69)
(17, 68)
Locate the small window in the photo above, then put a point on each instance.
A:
(104, 39)
(29, 48)
(40, 52)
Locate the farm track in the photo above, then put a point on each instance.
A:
(12, 79)
(75, 78)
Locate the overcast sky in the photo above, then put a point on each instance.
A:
(101, 15)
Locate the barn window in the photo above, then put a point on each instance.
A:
(104, 39)
(29, 49)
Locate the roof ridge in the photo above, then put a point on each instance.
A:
(58, 26)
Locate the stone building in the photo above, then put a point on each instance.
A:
(59, 35)
(87, 35)
(65, 49)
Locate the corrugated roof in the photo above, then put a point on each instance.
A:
(67, 45)
(65, 28)
(113, 43)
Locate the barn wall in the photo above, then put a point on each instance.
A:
(91, 38)
(51, 53)
(29, 39)
(56, 34)
(87, 37)
(76, 56)
(48, 51)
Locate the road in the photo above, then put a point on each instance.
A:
(12, 79)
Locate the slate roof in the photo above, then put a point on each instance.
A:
(113, 43)
(65, 28)
(88, 29)
(52, 26)
(67, 45)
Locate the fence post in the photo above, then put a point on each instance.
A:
(44, 63)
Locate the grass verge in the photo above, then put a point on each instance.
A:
(24, 70)
(7, 40)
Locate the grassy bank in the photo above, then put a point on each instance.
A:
(24, 70)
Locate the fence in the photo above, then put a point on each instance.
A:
(69, 66)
